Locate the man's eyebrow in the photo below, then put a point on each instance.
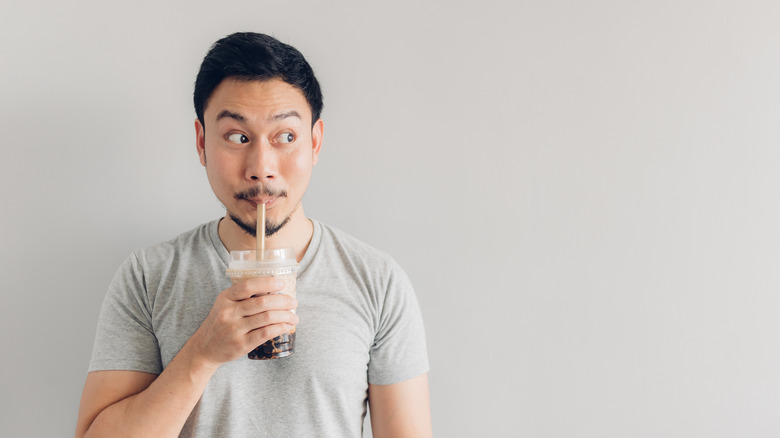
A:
(230, 114)
(274, 118)
(281, 116)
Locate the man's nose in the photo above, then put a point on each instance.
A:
(261, 162)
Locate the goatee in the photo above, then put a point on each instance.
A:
(251, 229)
(249, 195)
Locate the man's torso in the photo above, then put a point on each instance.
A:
(320, 390)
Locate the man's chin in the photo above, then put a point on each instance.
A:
(251, 228)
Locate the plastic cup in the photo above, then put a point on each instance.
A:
(279, 263)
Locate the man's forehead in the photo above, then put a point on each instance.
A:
(271, 99)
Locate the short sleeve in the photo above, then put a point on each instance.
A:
(125, 338)
(399, 349)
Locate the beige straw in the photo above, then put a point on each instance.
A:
(260, 232)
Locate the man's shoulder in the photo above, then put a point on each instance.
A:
(340, 238)
(353, 250)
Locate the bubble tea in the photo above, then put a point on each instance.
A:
(279, 263)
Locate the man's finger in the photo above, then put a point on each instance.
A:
(264, 303)
(261, 335)
(254, 286)
(254, 322)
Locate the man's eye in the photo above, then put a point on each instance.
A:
(287, 137)
(238, 138)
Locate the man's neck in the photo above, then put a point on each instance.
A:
(297, 234)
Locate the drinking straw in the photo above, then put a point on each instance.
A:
(260, 232)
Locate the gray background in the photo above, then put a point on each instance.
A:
(585, 195)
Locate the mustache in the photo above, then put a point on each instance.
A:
(256, 191)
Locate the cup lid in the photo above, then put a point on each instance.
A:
(272, 258)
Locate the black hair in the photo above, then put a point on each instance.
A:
(249, 56)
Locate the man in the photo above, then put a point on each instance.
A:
(170, 355)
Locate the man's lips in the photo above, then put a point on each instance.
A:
(267, 201)
(260, 195)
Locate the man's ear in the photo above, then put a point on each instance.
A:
(200, 141)
(316, 139)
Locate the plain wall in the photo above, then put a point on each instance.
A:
(585, 194)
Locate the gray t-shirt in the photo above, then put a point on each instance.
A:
(359, 323)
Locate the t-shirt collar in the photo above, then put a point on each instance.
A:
(304, 263)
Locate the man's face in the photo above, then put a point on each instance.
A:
(258, 147)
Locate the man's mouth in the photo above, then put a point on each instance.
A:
(260, 195)
(264, 200)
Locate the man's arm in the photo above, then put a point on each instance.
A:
(401, 409)
(131, 403)
(105, 388)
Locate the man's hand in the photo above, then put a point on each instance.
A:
(128, 403)
(244, 316)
